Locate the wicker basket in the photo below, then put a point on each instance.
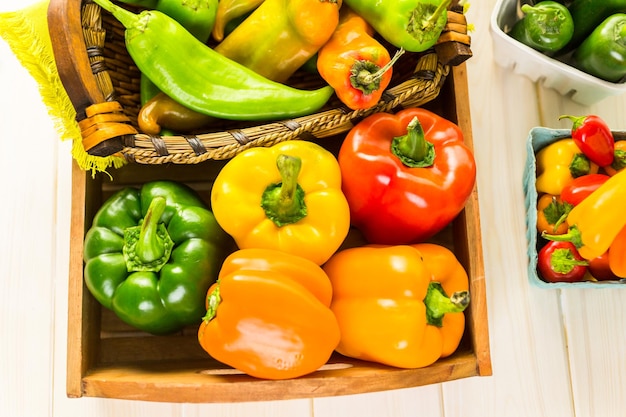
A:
(103, 84)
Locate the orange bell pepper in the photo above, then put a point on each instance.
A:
(392, 306)
(354, 63)
(551, 212)
(268, 315)
(619, 158)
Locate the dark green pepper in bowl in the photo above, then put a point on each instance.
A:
(151, 255)
(603, 53)
(546, 27)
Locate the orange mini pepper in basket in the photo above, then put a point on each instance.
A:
(617, 254)
(392, 303)
(268, 315)
(354, 63)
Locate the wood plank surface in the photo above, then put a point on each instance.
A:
(553, 352)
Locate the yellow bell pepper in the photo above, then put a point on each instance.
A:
(286, 197)
(595, 222)
(392, 306)
(559, 163)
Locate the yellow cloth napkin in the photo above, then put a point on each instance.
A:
(26, 33)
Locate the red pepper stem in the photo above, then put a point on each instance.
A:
(284, 202)
(413, 149)
(366, 78)
(576, 120)
(438, 303)
(432, 20)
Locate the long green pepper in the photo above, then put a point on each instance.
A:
(414, 25)
(203, 80)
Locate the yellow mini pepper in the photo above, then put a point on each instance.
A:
(287, 197)
(559, 163)
(392, 303)
(596, 221)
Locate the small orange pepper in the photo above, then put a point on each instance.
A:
(354, 63)
(619, 158)
(551, 214)
(268, 315)
(392, 303)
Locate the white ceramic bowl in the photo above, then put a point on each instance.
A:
(509, 53)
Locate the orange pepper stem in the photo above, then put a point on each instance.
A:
(213, 301)
(365, 75)
(413, 149)
(438, 303)
(148, 247)
(284, 202)
(573, 235)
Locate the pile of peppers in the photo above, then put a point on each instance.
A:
(203, 60)
(587, 34)
(270, 274)
(581, 183)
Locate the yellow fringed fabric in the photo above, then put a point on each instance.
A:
(26, 33)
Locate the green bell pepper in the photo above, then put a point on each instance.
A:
(151, 255)
(414, 25)
(546, 27)
(587, 15)
(603, 53)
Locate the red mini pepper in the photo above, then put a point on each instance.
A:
(405, 176)
(561, 262)
(577, 190)
(594, 138)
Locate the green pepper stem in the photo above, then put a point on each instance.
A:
(576, 120)
(126, 18)
(413, 149)
(573, 235)
(432, 20)
(438, 303)
(284, 202)
(149, 246)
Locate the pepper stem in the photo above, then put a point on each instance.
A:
(213, 300)
(364, 77)
(413, 149)
(576, 120)
(438, 303)
(148, 247)
(432, 20)
(573, 235)
(284, 202)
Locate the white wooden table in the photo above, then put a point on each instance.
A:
(554, 352)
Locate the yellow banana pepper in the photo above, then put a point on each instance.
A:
(559, 163)
(286, 197)
(597, 219)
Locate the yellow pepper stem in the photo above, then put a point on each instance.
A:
(284, 202)
(438, 303)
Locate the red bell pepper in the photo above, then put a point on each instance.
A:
(594, 138)
(561, 262)
(576, 191)
(600, 268)
(405, 176)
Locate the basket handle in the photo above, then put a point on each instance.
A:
(68, 45)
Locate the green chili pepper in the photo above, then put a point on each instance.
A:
(151, 255)
(201, 79)
(603, 53)
(587, 15)
(410, 24)
(546, 27)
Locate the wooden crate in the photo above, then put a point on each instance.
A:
(108, 359)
